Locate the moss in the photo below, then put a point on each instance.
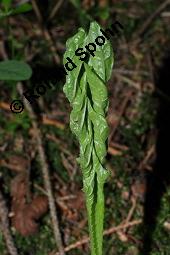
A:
(39, 244)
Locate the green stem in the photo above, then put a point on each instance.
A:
(95, 209)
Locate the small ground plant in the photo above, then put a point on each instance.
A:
(86, 91)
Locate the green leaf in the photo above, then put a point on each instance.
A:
(6, 4)
(71, 87)
(76, 3)
(103, 60)
(103, 13)
(5, 14)
(14, 70)
(22, 8)
(86, 90)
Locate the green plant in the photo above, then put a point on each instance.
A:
(86, 90)
(13, 70)
(7, 9)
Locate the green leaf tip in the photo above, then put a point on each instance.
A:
(87, 93)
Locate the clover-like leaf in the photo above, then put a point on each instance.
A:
(14, 70)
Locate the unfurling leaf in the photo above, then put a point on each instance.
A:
(86, 90)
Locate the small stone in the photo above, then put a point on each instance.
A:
(122, 236)
(166, 225)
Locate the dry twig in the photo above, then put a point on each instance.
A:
(53, 122)
(132, 209)
(45, 120)
(121, 111)
(45, 172)
(106, 232)
(4, 225)
(46, 33)
(55, 9)
(148, 21)
(36, 10)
